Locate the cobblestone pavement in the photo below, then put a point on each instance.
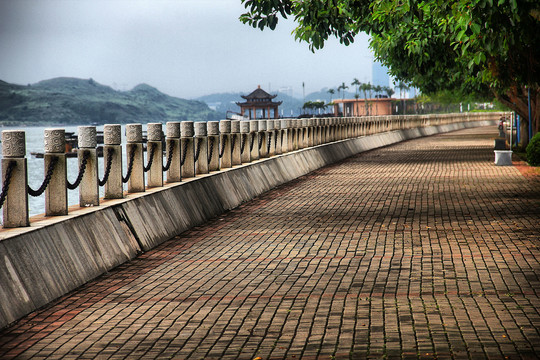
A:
(420, 250)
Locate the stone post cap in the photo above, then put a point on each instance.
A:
(262, 125)
(55, 141)
(112, 134)
(213, 127)
(277, 124)
(13, 143)
(225, 126)
(244, 126)
(87, 137)
(305, 122)
(299, 123)
(134, 133)
(235, 126)
(269, 125)
(187, 129)
(200, 129)
(253, 125)
(284, 123)
(172, 129)
(154, 131)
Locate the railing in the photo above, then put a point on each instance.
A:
(191, 149)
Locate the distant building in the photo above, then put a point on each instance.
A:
(287, 90)
(361, 107)
(259, 101)
(380, 75)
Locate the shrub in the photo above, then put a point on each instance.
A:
(533, 151)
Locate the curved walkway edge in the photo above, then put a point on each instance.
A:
(56, 255)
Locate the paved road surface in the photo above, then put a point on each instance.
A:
(423, 249)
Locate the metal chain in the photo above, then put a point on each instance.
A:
(210, 150)
(130, 165)
(46, 181)
(243, 143)
(233, 143)
(169, 157)
(198, 149)
(7, 181)
(269, 143)
(150, 158)
(225, 139)
(184, 153)
(110, 152)
(73, 186)
(252, 142)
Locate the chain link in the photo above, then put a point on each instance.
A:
(150, 157)
(70, 186)
(184, 152)
(243, 143)
(130, 164)
(225, 139)
(198, 149)
(252, 142)
(110, 152)
(233, 143)
(210, 150)
(169, 157)
(46, 181)
(7, 181)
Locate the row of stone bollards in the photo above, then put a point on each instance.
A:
(189, 149)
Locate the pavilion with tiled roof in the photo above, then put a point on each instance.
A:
(259, 100)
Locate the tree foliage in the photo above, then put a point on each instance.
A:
(470, 46)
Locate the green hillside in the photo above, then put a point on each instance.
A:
(64, 101)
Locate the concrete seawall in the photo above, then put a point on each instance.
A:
(56, 255)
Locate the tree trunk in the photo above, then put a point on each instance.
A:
(517, 99)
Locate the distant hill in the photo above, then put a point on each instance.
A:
(70, 101)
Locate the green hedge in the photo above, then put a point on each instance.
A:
(533, 151)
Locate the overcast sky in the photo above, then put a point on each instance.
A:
(185, 48)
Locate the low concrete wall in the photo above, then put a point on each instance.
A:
(56, 255)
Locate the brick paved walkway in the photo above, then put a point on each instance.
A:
(423, 249)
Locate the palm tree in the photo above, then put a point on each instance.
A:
(356, 83)
(378, 89)
(389, 91)
(332, 92)
(365, 87)
(342, 87)
(402, 88)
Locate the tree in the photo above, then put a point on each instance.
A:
(378, 89)
(342, 87)
(356, 83)
(332, 92)
(476, 47)
(389, 91)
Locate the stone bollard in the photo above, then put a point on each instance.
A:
(172, 131)
(201, 148)
(56, 200)
(317, 132)
(263, 139)
(291, 135)
(284, 124)
(213, 145)
(112, 152)
(15, 207)
(294, 128)
(236, 140)
(154, 155)
(311, 133)
(188, 149)
(245, 142)
(270, 143)
(304, 138)
(254, 139)
(89, 186)
(225, 151)
(278, 134)
(134, 150)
